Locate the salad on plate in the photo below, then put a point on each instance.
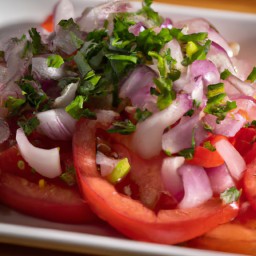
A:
(136, 119)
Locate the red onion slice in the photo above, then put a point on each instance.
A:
(147, 139)
(180, 136)
(171, 179)
(137, 86)
(41, 70)
(220, 58)
(67, 96)
(45, 161)
(234, 161)
(243, 87)
(106, 117)
(220, 178)
(137, 28)
(57, 124)
(227, 127)
(197, 186)
(95, 17)
(64, 10)
(4, 131)
(107, 164)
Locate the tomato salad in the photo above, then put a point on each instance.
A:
(133, 118)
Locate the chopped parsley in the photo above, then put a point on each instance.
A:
(142, 115)
(230, 195)
(123, 127)
(36, 44)
(14, 105)
(54, 61)
(29, 125)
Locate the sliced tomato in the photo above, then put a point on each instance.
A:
(205, 157)
(238, 236)
(250, 178)
(244, 140)
(130, 216)
(48, 24)
(26, 191)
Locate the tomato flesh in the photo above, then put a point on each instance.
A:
(126, 215)
(53, 200)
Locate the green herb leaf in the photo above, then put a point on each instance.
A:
(67, 24)
(230, 195)
(29, 125)
(150, 13)
(55, 61)
(76, 109)
(252, 75)
(122, 127)
(142, 115)
(35, 97)
(188, 153)
(14, 105)
(37, 46)
(82, 64)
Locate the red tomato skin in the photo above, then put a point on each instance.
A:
(48, 24)
(20, 190)
(130, 217)
(206, 158)
(250, 180)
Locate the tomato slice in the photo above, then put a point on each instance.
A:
(250, 179)
(205, 157)
(48, 24)
(244, 140)
(238, 236)
(52, 200)
(130, 216)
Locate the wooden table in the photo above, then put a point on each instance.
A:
(248, 6)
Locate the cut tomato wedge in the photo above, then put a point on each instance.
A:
(238, 236)
(205, 157)
(250, 179)
(48, 24)
(26, 191)
(130, 216)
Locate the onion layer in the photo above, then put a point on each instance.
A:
(45, 161)
(232, 158)
(197, 186)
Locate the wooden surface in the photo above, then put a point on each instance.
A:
(248, 6)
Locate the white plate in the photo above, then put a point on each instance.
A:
(99, 238)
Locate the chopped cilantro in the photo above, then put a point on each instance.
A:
(122, 127)
(142, 115)
(13, 105)
(164, 90)
(37, 46)
(97, 35)
(150, 13)
(168, 152)
(67, 24)
(55, 61)
(252, 76)
(34, 96)
(82, 64)
(29, 125)
(76, 109)
(230, 195)
(200, 54)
